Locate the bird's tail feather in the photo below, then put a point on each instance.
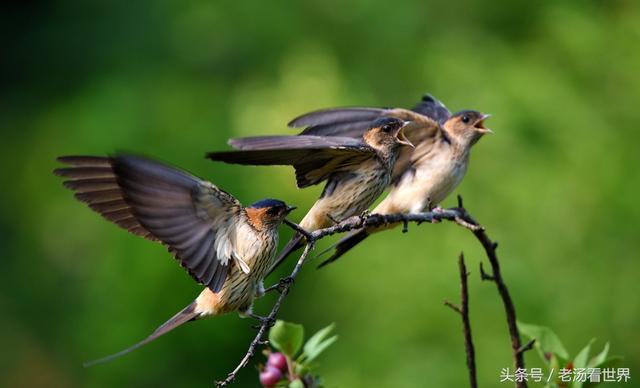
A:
(344, 245)
(294, 244)
(187, 314)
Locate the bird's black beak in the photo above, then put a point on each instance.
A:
(402, 139)
(479, 125)
(291, 208)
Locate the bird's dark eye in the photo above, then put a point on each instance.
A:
(387, 128)
(465, 119)
(273, 211)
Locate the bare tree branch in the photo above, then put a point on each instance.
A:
(458, 215)
(463, 310)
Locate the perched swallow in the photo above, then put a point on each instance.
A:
(423, 176)
(356, 170)
(223, 245)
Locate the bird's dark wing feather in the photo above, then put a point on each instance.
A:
(427, 118)
(353, 122)
(354, 129)
(349, 122)
(294, 142)
(339, 115)
(421, 131)
(432, 107)
(192, 217)
(314, 158)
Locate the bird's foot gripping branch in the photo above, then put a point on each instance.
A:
(458, 215)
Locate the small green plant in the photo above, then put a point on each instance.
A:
(291, 363)
(567, 371)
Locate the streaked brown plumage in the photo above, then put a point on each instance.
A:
(423, 176)
(356, 171)
(223, 245)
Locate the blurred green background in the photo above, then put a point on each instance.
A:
(557, 185)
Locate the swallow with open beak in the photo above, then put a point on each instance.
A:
(423, 176)
(357, 171)
(223, 245)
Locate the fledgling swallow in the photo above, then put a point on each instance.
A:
(223, 245)
(425, 175)
(356, 170)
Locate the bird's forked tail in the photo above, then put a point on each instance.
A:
(189, 313)
(344, 245)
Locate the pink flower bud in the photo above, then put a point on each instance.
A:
(278, 360)
(270, 376)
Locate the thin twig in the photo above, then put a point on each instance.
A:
(270, 318)
(527, 346)
(453, 306)
(463, 310)
(297, 228)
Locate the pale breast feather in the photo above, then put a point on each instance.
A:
(252, 247)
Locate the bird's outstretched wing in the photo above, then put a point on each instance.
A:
(314, 158)
(354, 121)
(420, 130)
(426, 120)
(349, 121)
(192, 217)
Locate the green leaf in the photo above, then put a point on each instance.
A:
(610, 362)
(600, 358)
(580, 361)
(322, 346)
(319, 336)
(297, 383)
(318, 343)
(546, 339)
(286, 337)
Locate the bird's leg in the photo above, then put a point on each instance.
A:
(268, 321)
(280, 286)
(248, 312)
(260, 291)
(437, 209)
(434, 209)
